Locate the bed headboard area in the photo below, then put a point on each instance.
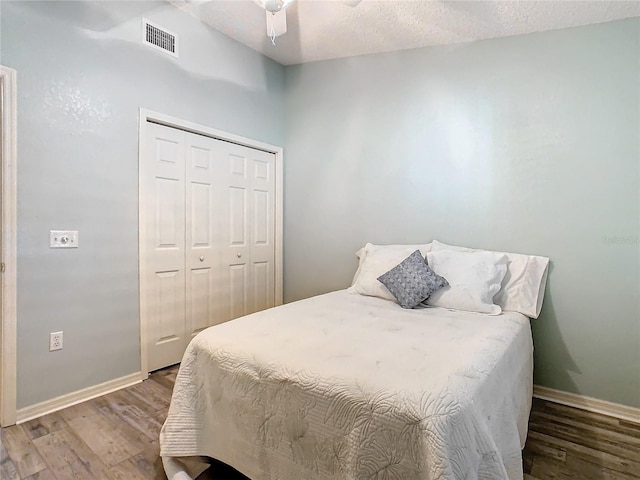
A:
(520, 286)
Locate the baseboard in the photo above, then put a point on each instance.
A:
(616, 410)
(73, 398)
(622, 412)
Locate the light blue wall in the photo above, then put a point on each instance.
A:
(82, 76)
(527, 144)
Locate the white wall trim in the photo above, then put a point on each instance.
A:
(622, 412)
(8, 323)
(146, 116)
(79, 396)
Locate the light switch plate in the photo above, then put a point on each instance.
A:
(63, 238)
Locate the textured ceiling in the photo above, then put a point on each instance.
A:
(320, 30)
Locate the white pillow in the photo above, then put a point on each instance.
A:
(376, 260)
(524, 284)
(474, 279)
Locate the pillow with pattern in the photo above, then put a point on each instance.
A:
(412, 281)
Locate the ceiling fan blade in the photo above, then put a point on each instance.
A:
(352, 3)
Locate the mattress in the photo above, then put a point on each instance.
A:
(344, 386)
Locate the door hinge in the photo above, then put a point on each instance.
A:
(2, 267)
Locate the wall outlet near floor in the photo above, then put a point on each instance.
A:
(55, 341)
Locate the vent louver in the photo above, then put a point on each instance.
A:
(159, 38)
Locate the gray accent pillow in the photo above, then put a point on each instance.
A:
(412, 281)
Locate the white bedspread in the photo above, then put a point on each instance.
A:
(344, 386)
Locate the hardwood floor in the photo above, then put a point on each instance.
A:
(568, 443)
(116, 437)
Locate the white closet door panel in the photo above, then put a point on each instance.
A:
(262, 223)
(262, 251)
(237, 216)
(262, 229)
(234, 232)
(238, 212)
(262, 218)
(208, 237)
(202, 258)
(200, 196)
(201, 308)
(167, 316)
(169, 214)
(262, 286)
(163, 269)
(249, 206)
(167, 151)
(262, 184)
(238, 292)
(201, 215)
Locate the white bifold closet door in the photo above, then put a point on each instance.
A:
(208, 250)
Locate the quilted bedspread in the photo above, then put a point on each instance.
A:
(344, 386)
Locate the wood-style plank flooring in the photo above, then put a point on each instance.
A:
(115, 437)
(568, 443)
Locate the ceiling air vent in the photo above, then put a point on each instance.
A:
(159, 38)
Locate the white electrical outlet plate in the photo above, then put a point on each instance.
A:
(63, 238)
(55, 341)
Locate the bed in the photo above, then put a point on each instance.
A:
(352, 386)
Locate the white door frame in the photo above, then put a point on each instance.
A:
(155, 117)
(8, 340)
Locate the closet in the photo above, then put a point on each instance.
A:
(207, 246)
